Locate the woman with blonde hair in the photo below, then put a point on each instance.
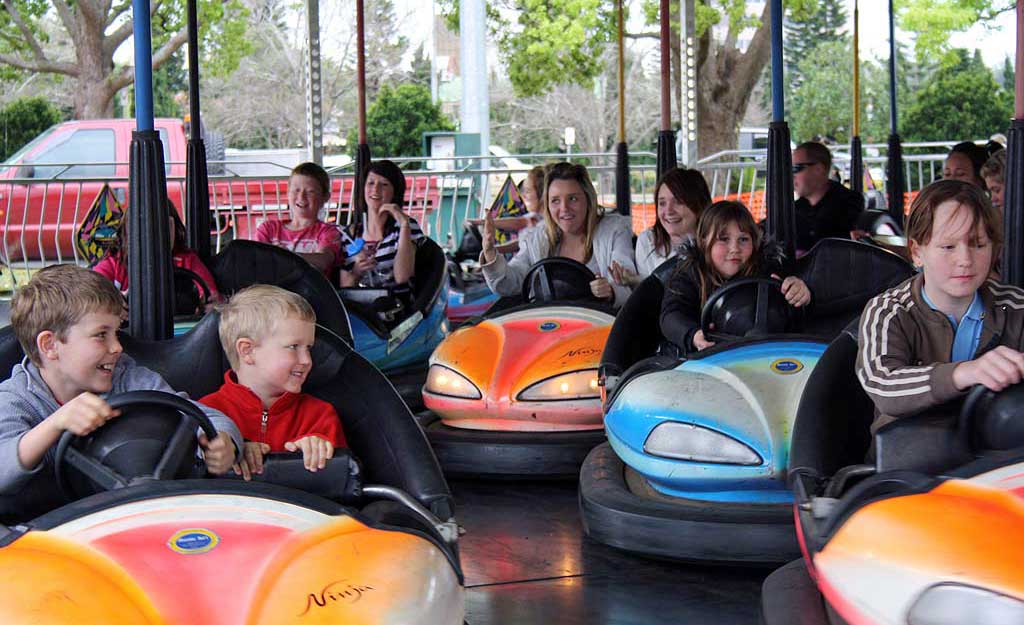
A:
(574, 227)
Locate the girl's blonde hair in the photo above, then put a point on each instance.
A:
(578, 173)
(714, 220)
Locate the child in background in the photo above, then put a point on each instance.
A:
(267, 334)
(728, 245)
(319, 243)
(994, 174)
(927, 341)
(66, 320)
(115, 265)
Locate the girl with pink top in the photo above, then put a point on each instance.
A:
(115, 267)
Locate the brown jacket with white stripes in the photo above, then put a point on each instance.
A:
(904, 346)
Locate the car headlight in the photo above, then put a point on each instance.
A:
(575, 385)
(686, 441)
(444, 381)
(952, 604)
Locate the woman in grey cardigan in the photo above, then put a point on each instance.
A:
(574, 228)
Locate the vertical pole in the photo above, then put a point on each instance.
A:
(475, 114)
(781, 219)
(1013, 201)
(197, 191)
(666, 137)
(314, 101)
(362, 160)
(622, 194)
(688, 123)
(150, 297)
(895, 184)
(143, 65)
(856, 159)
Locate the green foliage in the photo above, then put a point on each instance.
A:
(557, 42)
(961, 101)
(419, 74)
(823, 103)
(397, 119)
(222, 32)
(934, 20)
(22, 120)
(807, 29)
(168, 81)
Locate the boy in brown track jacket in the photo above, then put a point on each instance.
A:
(929, 340)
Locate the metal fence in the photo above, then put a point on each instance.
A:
(40, 218)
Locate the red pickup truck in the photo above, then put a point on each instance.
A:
(48, 186)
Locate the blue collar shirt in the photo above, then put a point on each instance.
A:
(968, 332)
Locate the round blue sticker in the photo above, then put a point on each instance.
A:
(193, 540)
(548, 326)
(786, 366)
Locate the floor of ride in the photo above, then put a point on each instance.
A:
(526, 561)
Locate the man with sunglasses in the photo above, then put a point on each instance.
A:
(824, 208)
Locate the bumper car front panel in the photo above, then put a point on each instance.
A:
(205, 559)
(749, 394)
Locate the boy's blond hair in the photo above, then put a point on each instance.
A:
(55, 299)
(252, 312)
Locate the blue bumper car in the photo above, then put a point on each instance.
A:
(696, 463)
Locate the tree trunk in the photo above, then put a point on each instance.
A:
(725, 81)
(94, 97)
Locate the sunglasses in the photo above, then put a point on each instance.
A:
(799, 167)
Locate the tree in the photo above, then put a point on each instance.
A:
(823, 103)
(397, 119)
(22, 120)
(95, 29)
(809, 28)
(933, 21)
(962, 101)
(419, 74)
(384, 45)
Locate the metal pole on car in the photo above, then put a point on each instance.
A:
(894, 184)
(150, 296)
(666, 137)
(1013, 204)
(856, 160)
(358, 204)
(781, 219)
(197, 190)
(622, 200)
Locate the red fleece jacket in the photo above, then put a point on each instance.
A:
(291, 417)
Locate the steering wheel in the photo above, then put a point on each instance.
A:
(557, 278)
(154, 438)
(991, 420)
(199, 287)
(745, 307)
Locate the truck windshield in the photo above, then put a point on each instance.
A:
(15, 158)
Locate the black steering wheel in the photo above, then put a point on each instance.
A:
(991, 420)
(558, 278)
(198, 292)
(154, 438)
(743, 308)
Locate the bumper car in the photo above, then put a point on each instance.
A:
(140, 536)
(469, 295)
(698, 448)
(930, 533)
(514, 393)
(396, 331)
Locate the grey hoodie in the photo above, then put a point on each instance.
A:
(26, 400)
